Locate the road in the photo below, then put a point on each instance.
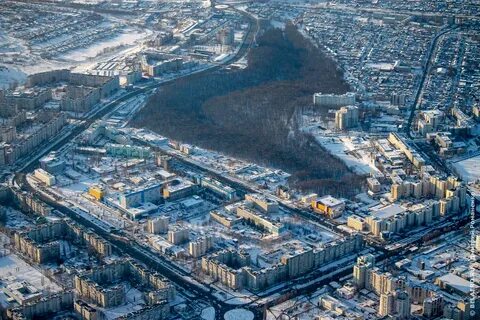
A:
(384, 11)
(426, 70)
(122, 245)
(146, 89)
(244, 187)
(179, 276)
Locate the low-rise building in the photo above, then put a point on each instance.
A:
(44, 177)
(329, 206)
(262, 202)
(260, 220)
(97, 192)
(224, 218)
(218, 188)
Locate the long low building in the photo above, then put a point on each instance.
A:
(260, 220)
(262, 202)
(224, 218)
(399, 142)
(217, 187)
(334, 100)
(455, 284)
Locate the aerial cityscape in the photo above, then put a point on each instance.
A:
(239, 159)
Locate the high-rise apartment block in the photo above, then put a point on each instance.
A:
(334, 100)
(346, 117)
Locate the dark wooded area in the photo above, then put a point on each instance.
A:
(251, 113)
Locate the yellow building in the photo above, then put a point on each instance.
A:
(97, 192)
(356, 222)
(329, 205)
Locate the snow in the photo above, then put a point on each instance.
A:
(239, 314)
(16, 219)
(14, 269)
(134, 302)
(208, 313)
(342, 148)
(239, 300)
(469, 169)
(10, 75)
(127, 38)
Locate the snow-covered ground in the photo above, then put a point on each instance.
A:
(14, 269)
(239, 314)
(16, 219)
(468, 169)
(349, 151)
(208, 313)
(134, 301)
(128, 38)
(352, 148)
(80, 60)
(9, 75)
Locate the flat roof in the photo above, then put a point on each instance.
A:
(456, 282)
(330, 201)
(388, 211)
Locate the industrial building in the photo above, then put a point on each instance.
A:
(329, 206)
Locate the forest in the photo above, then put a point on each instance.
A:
(252, 113)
